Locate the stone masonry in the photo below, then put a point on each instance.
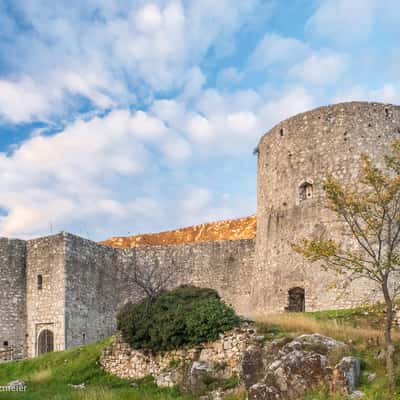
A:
(293, 160)
(61, 291)
(12, 298)
(168, 367)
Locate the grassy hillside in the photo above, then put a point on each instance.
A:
(48, 376)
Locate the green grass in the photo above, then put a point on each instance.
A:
(372, 316)
(48, 377)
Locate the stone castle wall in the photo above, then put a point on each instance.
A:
(226, 266)
(45, 307)
(95, 286)
(99, 278)
(304, 149)
(12, 299)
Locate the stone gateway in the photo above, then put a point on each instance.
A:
(61, 291)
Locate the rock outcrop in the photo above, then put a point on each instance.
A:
(295, 366)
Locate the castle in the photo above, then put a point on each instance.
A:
(61, 291)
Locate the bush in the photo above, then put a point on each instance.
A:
(184, 316)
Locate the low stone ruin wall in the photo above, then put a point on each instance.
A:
(168, 368)
(283, 369)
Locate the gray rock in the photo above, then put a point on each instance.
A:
(216, 394)
(261, 391)
(295, 365)
(195, 376)
(346, 375)
(315, 342)
(358, 394)
(246, 320)
(371, 377)
(252, 368)
(297, 372)
(81, 386)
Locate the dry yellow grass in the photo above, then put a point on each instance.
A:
(40, 376)
(300, 323)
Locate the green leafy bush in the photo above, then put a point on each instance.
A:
(184, 316)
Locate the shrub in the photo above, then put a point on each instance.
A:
(184, 316)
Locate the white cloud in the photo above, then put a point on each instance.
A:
(106, 52)
(196, 200)
(22, 100)
(344, 20)
(71, 175)
(149, 18)
(199, 129)
(229, 77)
(241, 123)
(294, 101)
(172, 112)
(320, 68)
(193, 84)
(276, 49)
(388, 93)
(176, 149)
(297, 60)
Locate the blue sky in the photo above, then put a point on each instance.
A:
(121, 117)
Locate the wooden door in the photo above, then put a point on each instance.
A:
(45, 342)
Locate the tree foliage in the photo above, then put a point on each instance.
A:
(184, 316)
(370, 213)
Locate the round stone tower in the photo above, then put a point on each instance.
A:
(293, 159)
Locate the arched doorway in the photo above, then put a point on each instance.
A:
(296, 301)
(45, 341)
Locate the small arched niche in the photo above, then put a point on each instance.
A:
(296, 300)
(306, 190)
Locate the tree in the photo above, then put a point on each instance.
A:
(151, 279)
(370, 213)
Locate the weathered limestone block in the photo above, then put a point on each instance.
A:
(252, 366)
(346, 375)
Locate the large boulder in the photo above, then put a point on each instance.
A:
(293, 366)
(291, 375)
